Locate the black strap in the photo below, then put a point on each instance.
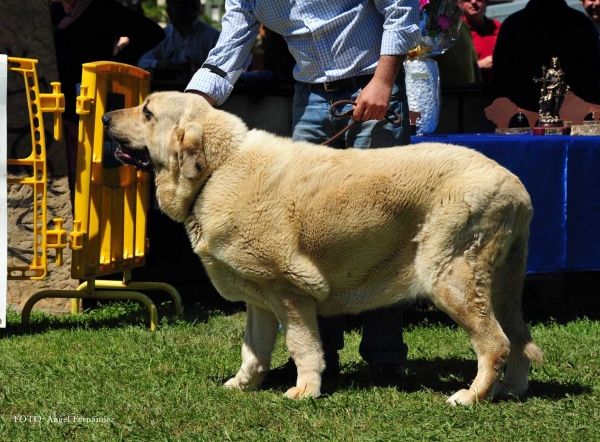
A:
(215, 70)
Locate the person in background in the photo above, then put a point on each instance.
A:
(277, 56)
(532, 37)
(277, 69)
(484, 32)
(345, 49)
(186, 45)
(458, 65)
(592, 8)
(94, 30)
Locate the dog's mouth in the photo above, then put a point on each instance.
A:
(139, 158)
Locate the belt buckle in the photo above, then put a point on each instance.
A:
(328, 88)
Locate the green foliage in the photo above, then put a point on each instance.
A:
(167, 385)
(154, 11)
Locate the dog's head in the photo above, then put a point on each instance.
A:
(180, 137)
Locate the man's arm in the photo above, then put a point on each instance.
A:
(400, 35)
(374, 100)
(230, 56)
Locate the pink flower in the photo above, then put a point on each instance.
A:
(443, 21)
(424, 3)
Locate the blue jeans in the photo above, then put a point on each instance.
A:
(312, 122)
(382, 340)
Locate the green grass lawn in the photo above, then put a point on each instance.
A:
(107, 366)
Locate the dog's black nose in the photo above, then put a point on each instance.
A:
(105, 119)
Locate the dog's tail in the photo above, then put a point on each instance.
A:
(533, 353)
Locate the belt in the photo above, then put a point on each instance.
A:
(345, 83)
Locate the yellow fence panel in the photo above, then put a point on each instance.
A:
(111, 199)
(38, 103)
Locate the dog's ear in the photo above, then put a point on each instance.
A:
(190, 149)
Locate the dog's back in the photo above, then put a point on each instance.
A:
(362, 217)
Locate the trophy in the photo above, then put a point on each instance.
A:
(552, 95)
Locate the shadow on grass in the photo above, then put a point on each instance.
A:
(110, 315)
(443, 376)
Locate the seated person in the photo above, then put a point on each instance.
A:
(531, 38)
(484, 32)
(186, 45)
(592, 8)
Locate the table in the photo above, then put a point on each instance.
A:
(561, 174)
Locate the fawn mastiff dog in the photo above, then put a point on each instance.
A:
(295, 230)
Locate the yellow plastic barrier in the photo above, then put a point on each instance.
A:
(38, 103)
(111, 200)
(110, 203)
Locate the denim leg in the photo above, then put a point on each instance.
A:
(331, 330)
(310, 117)
(310, 122)
(382, 341)
(371, 134)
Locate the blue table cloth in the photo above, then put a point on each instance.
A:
(562, 177)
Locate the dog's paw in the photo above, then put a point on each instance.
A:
(462, 397)
(305, 391)
(234, 383)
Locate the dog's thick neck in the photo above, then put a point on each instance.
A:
(216, 135)
(223, 133)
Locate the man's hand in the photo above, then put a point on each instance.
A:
(373, 100)
(485, 63)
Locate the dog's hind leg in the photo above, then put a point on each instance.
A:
(298, 315)
(462, 289)
(259, 341)
(507, 288)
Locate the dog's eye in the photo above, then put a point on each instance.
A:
(147, 113)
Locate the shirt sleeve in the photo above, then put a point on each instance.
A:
(231, 54)
(147, 61)
(401, 26)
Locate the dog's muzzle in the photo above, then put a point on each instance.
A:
(139, 158)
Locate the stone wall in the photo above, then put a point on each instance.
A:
(26, 32)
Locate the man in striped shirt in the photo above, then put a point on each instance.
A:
(344, 50)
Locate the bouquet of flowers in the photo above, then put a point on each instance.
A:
(440, 22)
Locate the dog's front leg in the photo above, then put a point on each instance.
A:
(299, 322)
(259, 341)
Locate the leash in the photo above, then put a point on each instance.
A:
(388, 116)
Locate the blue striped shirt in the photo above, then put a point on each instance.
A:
(329, 39)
